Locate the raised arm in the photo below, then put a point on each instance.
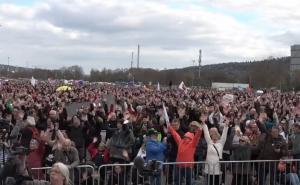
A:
(60, 136)
(224, 135)
(206, 134)
(197, 137)
(175, 135)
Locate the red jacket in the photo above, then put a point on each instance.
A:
(94, 152)
(35, 160)
(186, 147)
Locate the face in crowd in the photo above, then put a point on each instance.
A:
(214, 134)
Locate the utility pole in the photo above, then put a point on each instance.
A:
(7, 66)
(131, 71)
(131, 60)
(200, 60)
(138, 56)
(193, 72)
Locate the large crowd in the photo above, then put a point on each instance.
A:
(202, 126)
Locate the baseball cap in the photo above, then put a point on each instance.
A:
(151, 132)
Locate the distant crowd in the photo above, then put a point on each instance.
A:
(115, 124)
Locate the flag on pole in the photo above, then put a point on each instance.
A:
(158, 87)
(181, 86)
(33, 81)
(166, 115)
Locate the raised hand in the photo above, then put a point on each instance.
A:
(226, 121)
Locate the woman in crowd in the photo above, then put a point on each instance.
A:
(59, 174)
(215, 145)
(186, 153)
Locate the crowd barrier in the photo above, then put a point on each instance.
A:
(82, 174)
(262, 172)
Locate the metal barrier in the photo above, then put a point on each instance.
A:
(121, 174)
(258, 172)
(82, 174)
(263, 172)
(40, 173)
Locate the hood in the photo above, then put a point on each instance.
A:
(189, 135)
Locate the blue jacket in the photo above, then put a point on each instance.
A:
(155, 150)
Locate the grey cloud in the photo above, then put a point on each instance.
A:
(90, 19)
(106, 35)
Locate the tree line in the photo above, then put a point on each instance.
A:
(269, 73)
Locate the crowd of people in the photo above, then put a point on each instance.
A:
(202, 126)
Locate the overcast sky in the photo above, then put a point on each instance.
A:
(103, 33)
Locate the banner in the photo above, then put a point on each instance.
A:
(228, 98)
(33, 81)
(158, 87)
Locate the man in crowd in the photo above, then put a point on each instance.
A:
(155, 151)
(271, 147)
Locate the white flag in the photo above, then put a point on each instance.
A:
(158, 87)
(33, 81)
(166, 115)
(125, 107)
(181, 86)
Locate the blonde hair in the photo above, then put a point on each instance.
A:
(216, 131)
(64, 170)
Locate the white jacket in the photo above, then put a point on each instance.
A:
(212, 166)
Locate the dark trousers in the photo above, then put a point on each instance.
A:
(226, 157)
(170, 170)
(156, 179)
(213, 180)
(239, 179)
(183, 175)
(267, 168)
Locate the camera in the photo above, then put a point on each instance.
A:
(277, 145)
(152, 168)
(12, 170)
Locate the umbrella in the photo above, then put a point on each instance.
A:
(64, 88)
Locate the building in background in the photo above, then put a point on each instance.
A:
(295, 67)
(295, 58)
(228, 86)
